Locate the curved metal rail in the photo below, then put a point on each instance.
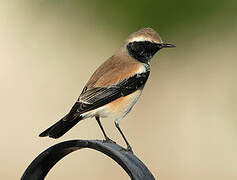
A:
(42, 164)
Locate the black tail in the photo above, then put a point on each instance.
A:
(60, 127)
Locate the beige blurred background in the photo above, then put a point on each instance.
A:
(183, 127)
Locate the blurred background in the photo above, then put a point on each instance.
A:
(183, 127)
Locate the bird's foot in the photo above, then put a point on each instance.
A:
(108, 140)
(129, 149)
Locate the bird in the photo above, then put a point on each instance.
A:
(115, 86)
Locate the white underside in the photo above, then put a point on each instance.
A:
(115, 112)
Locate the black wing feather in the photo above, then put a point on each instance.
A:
(93, 98)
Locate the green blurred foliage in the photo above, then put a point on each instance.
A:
(172, 16)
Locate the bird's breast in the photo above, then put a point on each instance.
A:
(120, 107)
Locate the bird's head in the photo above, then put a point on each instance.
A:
(143, 44)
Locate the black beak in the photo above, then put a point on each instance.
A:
(166, 45)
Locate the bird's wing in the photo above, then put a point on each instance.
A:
(93, 98)
(115, 70)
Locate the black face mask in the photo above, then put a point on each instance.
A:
(143, 51)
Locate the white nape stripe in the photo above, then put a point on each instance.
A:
(140, 38)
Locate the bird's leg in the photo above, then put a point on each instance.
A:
(107, 139)
(129, 148)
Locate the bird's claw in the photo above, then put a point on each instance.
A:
(129, 149)
(108, 140)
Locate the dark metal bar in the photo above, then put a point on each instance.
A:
(42, 164)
